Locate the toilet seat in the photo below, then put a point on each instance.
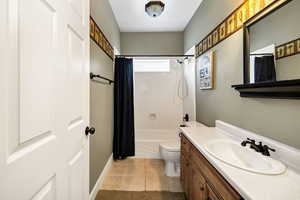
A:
(171, 146)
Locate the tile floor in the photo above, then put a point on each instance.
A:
(126, 195)
(140, 175)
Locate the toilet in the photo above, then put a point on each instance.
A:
(170, 153)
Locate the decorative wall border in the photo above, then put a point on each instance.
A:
(231, 24)
(99, 38)
(288, 49)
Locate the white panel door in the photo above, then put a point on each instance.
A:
(44, 103)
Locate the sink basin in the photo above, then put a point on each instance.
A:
(232, 153)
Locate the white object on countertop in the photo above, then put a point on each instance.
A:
(284, 153)
(232, 153)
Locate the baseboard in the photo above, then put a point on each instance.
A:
(101, 178)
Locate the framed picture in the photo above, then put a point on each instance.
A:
(205, 65)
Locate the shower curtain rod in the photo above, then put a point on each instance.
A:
(135, 56)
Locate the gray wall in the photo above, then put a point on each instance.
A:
(102, 12)
(277, 119)
(210, 14)
(152, 43)
(101, 105)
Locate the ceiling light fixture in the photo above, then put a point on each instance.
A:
(154, 8)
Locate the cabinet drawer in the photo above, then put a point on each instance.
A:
(184, 175)
(198, 189)
(211, 195)
(216, 181)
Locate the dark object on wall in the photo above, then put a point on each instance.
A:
(276, 90)
(90, 131)
(92, 76)
(153, 56)
(264, 69)
(123, 142)
(186, 118)
(99, 38)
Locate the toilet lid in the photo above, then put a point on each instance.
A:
(171, 146)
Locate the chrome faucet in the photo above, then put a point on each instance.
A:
(263, 149)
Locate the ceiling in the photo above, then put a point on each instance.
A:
(131, 16)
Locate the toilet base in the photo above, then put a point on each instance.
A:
(172, 169)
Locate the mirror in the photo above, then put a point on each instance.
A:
(272, 50)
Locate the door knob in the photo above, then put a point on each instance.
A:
(90, 131)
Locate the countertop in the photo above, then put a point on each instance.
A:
(250, 186)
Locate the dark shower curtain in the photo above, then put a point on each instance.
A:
(265, 69)
(123, 142)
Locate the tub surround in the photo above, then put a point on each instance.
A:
(147, 141)
(249, 185)
(158, 112)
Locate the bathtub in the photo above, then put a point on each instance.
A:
(147, 141)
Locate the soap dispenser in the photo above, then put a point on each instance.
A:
(186, 118)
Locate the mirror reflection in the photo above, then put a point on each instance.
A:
(275, 45)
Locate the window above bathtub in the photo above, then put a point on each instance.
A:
(151, 65)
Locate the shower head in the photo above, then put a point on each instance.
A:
(181, 61)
